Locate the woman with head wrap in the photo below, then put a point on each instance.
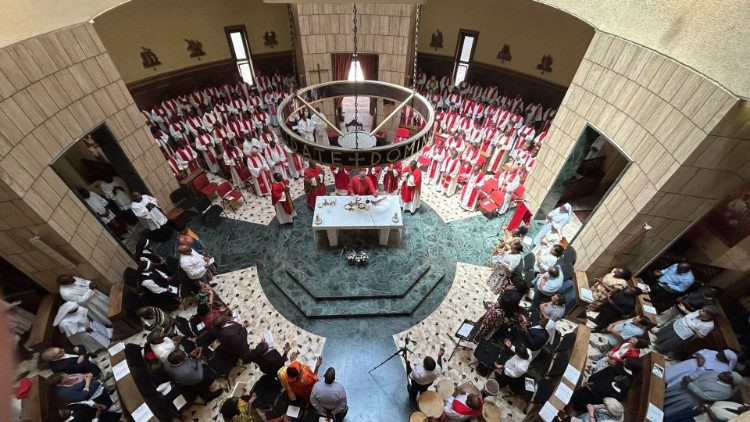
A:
(559, 217)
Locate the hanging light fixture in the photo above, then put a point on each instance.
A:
(357, 147)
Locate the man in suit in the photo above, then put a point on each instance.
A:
(534, 336)
(70, 360)
(233, 339)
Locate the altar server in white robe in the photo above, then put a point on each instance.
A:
(83, 292)
(306, 126)
(73, 321)
(470, 192)
(321, 130)
(98, 205)
(147, 210)
(116, 190)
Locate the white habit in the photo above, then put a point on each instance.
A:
(153, 219)
(95, 301)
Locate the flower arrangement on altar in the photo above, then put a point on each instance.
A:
(361, 259)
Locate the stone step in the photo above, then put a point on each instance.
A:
(386, 289)
(356, 307)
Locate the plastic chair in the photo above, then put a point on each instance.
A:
(489, 187)
(202, 185)
(228, 194)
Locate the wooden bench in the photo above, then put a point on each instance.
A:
(124, 322)
(643, 305)
(648, 388)
(130, 397)
(35, 406)
(578, 357)
(43, 333)
(578, 312)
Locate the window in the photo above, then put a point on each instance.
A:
(237, 37)
(355, 71)
(467, 43)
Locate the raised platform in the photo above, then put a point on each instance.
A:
(422, 281)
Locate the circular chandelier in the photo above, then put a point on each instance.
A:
(357, 148)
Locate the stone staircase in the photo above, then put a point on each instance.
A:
(398, 297)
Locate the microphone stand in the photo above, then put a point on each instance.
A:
(402, 350)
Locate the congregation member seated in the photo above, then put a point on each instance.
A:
(298, 379)
(613, 381)
(208, 312)
(422, 375)
(681, 401)
(724, 411)
(533, 335)
(553, 310)
(512, 363)
(462, 406)
(75, 388)
(706, 359)
(620, 331)
(86, 411)
(695, 324)
(609, 411)
(70, 360)
(512, 237)
(670, 282)
(162, 345)
(605, 287)
(615, 307)
(546, 284)
(153, 317)
(232, 337)
(690, 302)
(190, 373)
(546, 259)
(328, 397)
(268, 359)
(157, 288)
(145, 253)
(241, 409)
(632, 348)
(74, 322)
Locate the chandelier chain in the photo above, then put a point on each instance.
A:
(293, 34)
(416, 49)
(356, 67)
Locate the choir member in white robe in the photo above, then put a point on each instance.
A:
(74, 322)
(147, 210)
(321, 130)
(470, 191)
(559, 217)
(511, 182)
(251, 142)
(116, 190)
(234, 160)
(437, 156)
(282, 200)
(82, 291)
(205, 143)
(449, 177)
(306, 127)
(294, 163)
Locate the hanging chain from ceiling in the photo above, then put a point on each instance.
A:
(356, 66)
(416, 49)
(293, 34)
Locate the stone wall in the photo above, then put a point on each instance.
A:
(683, 132)
(383, 29)
(55, 88)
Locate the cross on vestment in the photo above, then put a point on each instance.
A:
(318, 71)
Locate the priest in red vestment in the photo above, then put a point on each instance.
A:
(314, 183)
(362, 185)
(411, 187)
(340, 180)
(282, 200)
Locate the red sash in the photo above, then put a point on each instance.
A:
(462, 409)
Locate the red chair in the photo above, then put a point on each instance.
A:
(518, 193)
(202, 185)
(492, 202)
(488, 187)
(245, 176)
(228, 194)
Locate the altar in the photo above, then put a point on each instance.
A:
(335, 213)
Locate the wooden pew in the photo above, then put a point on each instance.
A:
(648, 388)
(578, 313)
(124, 322)
(35, 407)
(130, 397)
(43, 333)
(578, 357)
(643, 305)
